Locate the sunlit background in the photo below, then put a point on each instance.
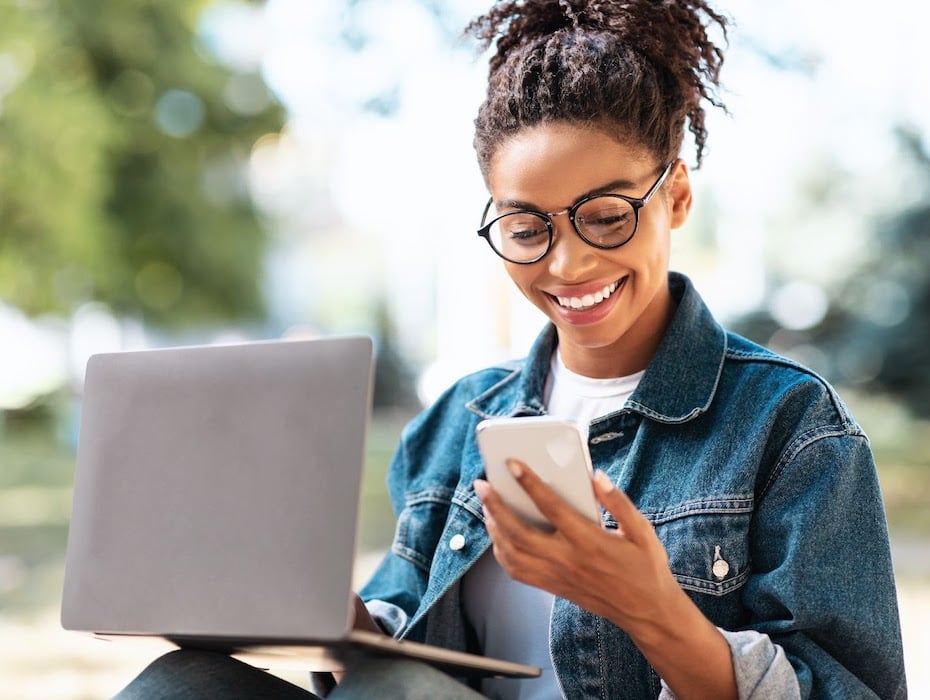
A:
(178, 172)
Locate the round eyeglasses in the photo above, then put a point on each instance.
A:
(604, 221)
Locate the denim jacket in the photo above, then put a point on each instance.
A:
(759, 483)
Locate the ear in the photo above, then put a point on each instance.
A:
(679, 194)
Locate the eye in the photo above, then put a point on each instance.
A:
(522, 228)
(610, 215)
(606, 218)
(525, 235)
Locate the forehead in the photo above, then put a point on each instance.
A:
(550, 164)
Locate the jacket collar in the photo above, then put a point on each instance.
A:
(679, 383)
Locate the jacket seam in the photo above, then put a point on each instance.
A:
(700, 585)
(726, 504)
(440, 496)
(697, 410)
(472, 405)
(411, 555)
(436, 494)
(805, 440)
(466, 504)
(774, 359)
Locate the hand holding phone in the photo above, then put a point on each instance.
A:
(554, 448)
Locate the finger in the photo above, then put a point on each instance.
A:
(486, 493)
(500, 518)
(517, 544)
(632, 523)
(362, 619)
(557, 511)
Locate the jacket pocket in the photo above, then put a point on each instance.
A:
(420, 525)
(707, 541)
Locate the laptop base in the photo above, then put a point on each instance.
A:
(334, 655)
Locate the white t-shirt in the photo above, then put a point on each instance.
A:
(570, 395)
(511, 619)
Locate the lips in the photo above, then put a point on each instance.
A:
(589, 301)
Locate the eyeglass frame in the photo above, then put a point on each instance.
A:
(636, 203)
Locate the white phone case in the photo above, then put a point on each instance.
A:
(554, 448)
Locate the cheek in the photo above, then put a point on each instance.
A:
(516, 278)
(517, 273)
(523, 277)
(651, 246)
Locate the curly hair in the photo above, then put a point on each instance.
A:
(638, 68)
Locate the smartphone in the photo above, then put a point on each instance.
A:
(555, 448)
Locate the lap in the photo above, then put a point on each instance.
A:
(194, 674)
(399, 678)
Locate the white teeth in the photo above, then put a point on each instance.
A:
(588, 300)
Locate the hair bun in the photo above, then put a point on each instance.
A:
(645, 66)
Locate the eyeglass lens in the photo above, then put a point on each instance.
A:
(606, 221)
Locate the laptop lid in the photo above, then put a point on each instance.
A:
(217, 488)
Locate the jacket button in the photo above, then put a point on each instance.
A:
(457, 542)
(720, 566)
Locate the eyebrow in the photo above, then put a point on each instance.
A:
(610, 187)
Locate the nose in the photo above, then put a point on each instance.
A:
(570, 257)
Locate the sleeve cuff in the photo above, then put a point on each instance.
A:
(389, 617)
(761, 667)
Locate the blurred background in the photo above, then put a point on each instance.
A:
(213, 171)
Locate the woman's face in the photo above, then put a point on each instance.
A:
(548, 168)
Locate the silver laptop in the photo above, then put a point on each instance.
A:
(216, 502)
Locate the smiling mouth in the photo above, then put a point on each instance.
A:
(589, 300)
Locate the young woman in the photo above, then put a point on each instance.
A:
(743, 550)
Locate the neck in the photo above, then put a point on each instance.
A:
(630, 354)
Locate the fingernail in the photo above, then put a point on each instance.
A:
(481, 488)
(516, 469)
(603, 480)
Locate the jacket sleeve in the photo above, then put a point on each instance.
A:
(822, 591)
(421, 481)
(762, 669)
(393, 592)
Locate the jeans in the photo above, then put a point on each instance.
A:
(194, 675)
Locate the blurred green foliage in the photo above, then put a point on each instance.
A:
(875, 334)
(886, 300)
(122, 164)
